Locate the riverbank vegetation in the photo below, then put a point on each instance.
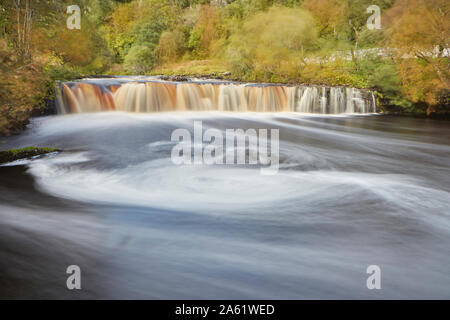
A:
(28, 152)
(327, 42)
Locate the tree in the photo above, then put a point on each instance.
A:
(272, 42)
(140, 59)
(24, 25)
(420, 32)
(329, 15)
(204, 32)
(171, 45)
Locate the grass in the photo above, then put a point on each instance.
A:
(191, 68)
(28, 152)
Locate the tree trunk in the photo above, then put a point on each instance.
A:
(19, 33)
(355, 50)
(29, 23)
(430, 110)
(24, 22)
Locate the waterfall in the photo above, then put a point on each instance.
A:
(150, 94)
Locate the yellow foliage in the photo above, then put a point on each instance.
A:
(273, 42)
(327, 13)
(420, 32)
(170, 46)
(20, 89)
(206, 28)
(72, 47)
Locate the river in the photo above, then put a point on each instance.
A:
(351, 191)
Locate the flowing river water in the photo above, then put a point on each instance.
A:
(352, 190)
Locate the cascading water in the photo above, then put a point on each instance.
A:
(350, 191)
(151, 94)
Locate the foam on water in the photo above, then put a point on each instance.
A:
(347, 195)
(216, 189)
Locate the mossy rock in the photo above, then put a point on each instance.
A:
(28, 152)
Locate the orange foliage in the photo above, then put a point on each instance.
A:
(207, 26)
(420, 32)
(327, 13)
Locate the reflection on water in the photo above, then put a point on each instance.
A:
(351, 191)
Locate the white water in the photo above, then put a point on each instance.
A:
(153, 95)
(351, 191)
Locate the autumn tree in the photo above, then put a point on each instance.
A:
(329, 15)
(171, 45)
(204, 32)
(420, 33)
(273, 42)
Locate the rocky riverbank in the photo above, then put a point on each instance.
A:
(24, 153)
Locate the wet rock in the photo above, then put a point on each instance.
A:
(179, 78)
(28, 152)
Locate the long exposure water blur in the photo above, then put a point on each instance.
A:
(351, 191)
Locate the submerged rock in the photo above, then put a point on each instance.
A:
(28, 152)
